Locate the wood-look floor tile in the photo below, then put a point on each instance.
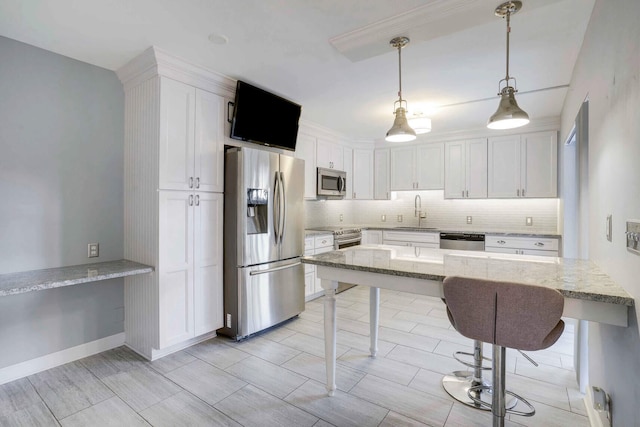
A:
(69, 388)
(311, 344)
(548, 416)
(34, 415)
(548, 374)
(423, 319)
(430, 382)
(111, 412)
(172, 361)
(450, 335)
(277, 334)
(465, 416)
(446, 348)
(216, 352)
(423, 359)
(251, 406)
(206, 381)
(307, 327)
(362, 342)
(354, 326)
(576, 402)
(17, 395)
(382, 367)
(184, 409)
(141, 388)
(120, 359)
(312, 316)
(417, 405)
(342, 409)
(418, 342)
(323, 423)
(314, 367)
(394, 419)
(532, 389)
(391, 323)
(266, 349)
(271, 378)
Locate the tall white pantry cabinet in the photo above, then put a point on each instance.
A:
(173, 193)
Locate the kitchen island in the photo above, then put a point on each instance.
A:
(589, 293)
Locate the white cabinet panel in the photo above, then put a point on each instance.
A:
(371, 237)
(363, 174)
(523, 165)
(329, 155)
(209, 142)
(466, 169)
(306, 150)
(177, 118)
(418, 167)
(381, 188)
(348, 168)
(541, 246)
(411, 237)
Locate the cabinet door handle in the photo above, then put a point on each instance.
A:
(523, 192)
(518, 192)
(190, 182)
(191, 200)
(501, 242)
(198, 200)
(198, 182)
(354, 194)
(467, 193)
(387, 194)
(462, 193)
(539, 244)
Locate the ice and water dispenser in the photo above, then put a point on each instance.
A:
(257, 210)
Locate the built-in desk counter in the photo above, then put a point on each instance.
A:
(38, 280)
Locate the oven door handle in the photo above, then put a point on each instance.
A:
(347, 241)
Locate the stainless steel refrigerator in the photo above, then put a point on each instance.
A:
(263, 240)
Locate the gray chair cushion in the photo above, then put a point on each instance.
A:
(514, 315)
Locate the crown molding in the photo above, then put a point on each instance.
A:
(158, 62)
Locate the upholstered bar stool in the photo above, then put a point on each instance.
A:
(518, 316)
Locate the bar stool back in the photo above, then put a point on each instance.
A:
(514, 315)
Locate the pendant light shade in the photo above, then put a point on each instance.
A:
(400, 131)
(508, 115)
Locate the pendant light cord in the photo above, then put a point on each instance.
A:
(400, 73)
(508, 31)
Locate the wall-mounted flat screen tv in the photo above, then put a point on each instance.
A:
(264, 118)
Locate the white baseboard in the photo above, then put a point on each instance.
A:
(596, 419)
(157, 354)
(39, 364)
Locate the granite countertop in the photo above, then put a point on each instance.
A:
(580, 279)
(38, 280)
(449, 230)
(308, 233)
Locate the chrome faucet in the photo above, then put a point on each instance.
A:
(417, 205)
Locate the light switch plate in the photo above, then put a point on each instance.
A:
(383, 218)
(469, 219)
(399, 218)
(341, 217)
(529, 221)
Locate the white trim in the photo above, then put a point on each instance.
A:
(157, 354)
(595, 420)
(33, 366)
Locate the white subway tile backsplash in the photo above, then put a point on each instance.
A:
(507, 215)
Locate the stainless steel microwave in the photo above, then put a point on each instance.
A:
(331, 183)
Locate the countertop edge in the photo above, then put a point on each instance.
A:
(51, 278)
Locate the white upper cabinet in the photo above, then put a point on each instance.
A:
(523, 165)
(419, 167)
(306, 150)
(362, 174)
(191, 138)
(381, 175)
(465, 169)
(329, 155)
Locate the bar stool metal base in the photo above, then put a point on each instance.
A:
(458, 384)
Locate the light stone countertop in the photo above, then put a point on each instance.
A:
(38, 280)
(309, 233)
(580, 279)
(449, 230)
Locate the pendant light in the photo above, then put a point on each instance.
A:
(400, 131)
(508, 115)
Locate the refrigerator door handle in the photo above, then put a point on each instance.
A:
(271, 270)
(276, 208)
(283, 208)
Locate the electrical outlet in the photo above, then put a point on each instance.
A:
(399, 218)
(469, 219)
(341, 217)
(383, 218)
(93, 250)
(228, 320)
(529, 221)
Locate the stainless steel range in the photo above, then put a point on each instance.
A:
(343, 237)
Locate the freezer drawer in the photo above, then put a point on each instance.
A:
(267, 294)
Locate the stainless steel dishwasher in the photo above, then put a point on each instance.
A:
(462, 241)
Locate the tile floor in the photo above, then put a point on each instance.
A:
(277, 378)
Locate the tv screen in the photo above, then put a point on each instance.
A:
(264, 118)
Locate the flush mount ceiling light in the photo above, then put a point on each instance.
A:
(400, 131)
(420, 124)
(508, 115)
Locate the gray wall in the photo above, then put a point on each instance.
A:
(61, 187)
(608, 73)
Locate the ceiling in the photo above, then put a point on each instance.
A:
(333, 56)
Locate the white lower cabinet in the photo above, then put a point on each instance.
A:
(371, 237)
(314, 245)
(190, 267)
(547, 246)
(417, 239)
